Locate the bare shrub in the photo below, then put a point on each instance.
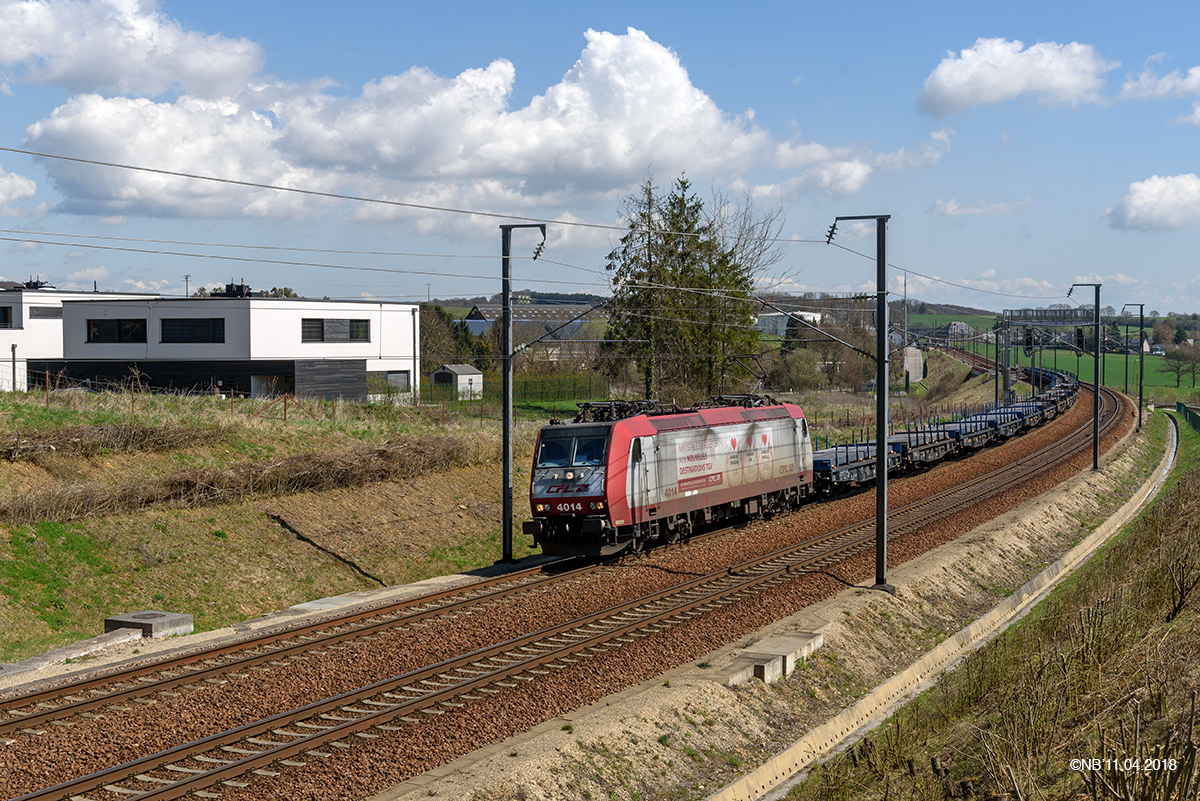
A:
(204, 486)
(97, 439)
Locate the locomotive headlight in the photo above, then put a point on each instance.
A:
(570, 476)
(542, 507)
(596, 505)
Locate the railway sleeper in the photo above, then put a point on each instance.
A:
(142, 777)
(260, 741)
(181, 769)
(233, 749)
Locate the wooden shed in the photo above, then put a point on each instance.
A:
(460, 381)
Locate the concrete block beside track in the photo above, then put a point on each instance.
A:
(772, 658)
(151, 623)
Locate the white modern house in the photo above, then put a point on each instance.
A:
(252, 345)
(31, 326)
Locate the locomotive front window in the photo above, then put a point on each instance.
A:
(554, 453)
(589, 451)
(571, 451)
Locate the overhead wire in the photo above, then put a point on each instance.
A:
(944, 281)
(453, 210)
(357, 198)
(277, 262)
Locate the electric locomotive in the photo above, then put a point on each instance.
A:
(625, 475)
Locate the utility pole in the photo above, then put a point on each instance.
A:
(507, 358)
(187, 288)
(1095, 377)
(1141, 355)
(881, 394)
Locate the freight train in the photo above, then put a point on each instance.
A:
(628, 474)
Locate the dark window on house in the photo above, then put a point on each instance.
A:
(45, 312)
(193, 329)
(5, 316)
(116, 330)
(313, 330)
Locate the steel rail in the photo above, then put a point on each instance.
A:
(517, 656)
(401, 614)
(476, 670)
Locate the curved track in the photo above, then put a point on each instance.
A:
(268, 746)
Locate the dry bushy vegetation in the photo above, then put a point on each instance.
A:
(95, 440)
(401, 460)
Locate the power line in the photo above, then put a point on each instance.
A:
(361, 199)
(948, 283)
(493, 215)
(278, 262)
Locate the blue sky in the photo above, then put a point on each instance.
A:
(1018, 147)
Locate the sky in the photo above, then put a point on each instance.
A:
(373, 149)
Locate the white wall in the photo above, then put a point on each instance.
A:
(255, 329)
(276, 334)
(235, 312)
(38, 338)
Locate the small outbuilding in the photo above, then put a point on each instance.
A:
(460, 381)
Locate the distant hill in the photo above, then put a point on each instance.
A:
(940, 309)
(526, 297)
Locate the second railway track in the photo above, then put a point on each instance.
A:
(387, 710)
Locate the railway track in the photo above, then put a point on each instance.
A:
(390, 708)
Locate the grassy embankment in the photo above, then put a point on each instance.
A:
(111, 505)
(1104, 667)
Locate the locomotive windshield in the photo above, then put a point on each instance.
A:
(572, 449)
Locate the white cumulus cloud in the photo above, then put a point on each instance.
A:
(13, 189)
(1161, 202)
(626, 106)
(202, 137)
(998, 70)
(626, 103)
(125, 46)
(950, 207)
(1191, 119)
(1147, 84)
(926, 154)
